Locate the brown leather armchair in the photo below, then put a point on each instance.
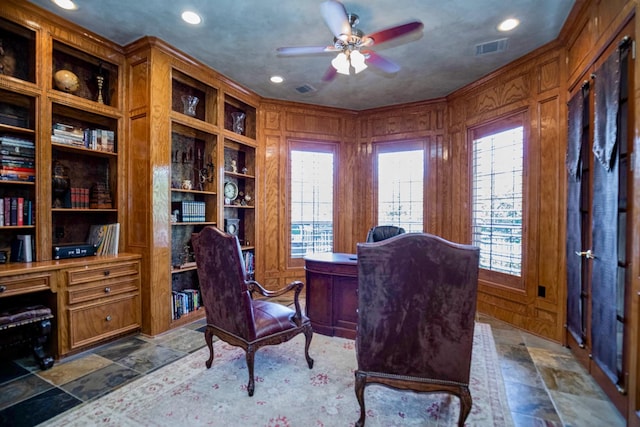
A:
(383, 232)
(417, 302)
(232, 313)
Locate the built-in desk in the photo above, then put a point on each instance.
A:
(331, 293)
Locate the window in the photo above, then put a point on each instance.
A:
(311, 198)
(497, 202)
(400, 172)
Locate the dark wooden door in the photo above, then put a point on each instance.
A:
(598, 267)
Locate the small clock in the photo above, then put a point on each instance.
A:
(230, 192)
(231, 226)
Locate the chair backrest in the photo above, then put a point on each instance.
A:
(383, 232)
(416, 307)
(221, 273)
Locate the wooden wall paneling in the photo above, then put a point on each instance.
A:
(583, 38)
(273, 225)
(348, 177)
(531, 86)
(550, 206)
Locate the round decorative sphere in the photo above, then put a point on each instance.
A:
(66, 81)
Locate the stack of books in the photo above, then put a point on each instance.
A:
(68, 135)
(105, 238)
(93, 139)
(17, 159)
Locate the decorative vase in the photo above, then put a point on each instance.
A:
(60, 184)
(190, 102)
(66, 81)
(238, 122)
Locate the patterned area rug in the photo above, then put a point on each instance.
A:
(288, 394)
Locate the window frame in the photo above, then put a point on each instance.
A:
(514, 119)
(398, 146)
(312, 146)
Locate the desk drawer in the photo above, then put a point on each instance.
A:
(101, 272)
(25, 283)
(95, 322)
(101, 289)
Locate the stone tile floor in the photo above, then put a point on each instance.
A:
(545, 385)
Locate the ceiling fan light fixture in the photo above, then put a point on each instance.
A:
(341, 63)
(357, 61)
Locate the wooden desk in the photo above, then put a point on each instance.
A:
(332, 293)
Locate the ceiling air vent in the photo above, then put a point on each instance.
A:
(492, 47)
(305, 88)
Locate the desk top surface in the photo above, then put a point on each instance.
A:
(333, 258)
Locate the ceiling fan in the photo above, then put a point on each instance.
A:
(351, 43)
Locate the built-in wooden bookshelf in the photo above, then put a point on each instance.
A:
(62, 139)
(184, 155)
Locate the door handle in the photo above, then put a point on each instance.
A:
(588, 254)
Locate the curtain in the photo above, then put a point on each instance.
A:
(605, 218)
(578, 118)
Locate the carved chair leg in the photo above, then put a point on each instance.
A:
(42, 330)
(208, 338)
(465, 405)
(308, 334)
(361, 380)
(250, 356)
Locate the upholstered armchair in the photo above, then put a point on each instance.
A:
(416, 311)
(383, 232)
(233, 315)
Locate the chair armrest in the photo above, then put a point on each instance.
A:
(257, 287)
(296, 285)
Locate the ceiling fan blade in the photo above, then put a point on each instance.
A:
(335, 16)
(392, 33)
(330, 74)
(304, 50)
(380, 62)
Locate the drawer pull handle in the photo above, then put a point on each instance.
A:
(108, 318)
(3, 288)
(107, 290)
(107, 272)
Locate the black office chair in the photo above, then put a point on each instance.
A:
(383, 232)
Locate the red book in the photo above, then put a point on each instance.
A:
(20, 212)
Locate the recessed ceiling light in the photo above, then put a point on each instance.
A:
(508, 24)
(276, 79)
(191, 17)
(66, 4)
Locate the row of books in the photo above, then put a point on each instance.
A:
(16, 211)
(185, 301)
(105, 237)
(93, 139)
(188, 211)
(79, 197)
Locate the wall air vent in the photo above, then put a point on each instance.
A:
(492, 47)
(306, 88)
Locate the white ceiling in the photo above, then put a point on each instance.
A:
(238, 38)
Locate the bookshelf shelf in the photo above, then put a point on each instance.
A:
(84, 210)
(187, 318)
